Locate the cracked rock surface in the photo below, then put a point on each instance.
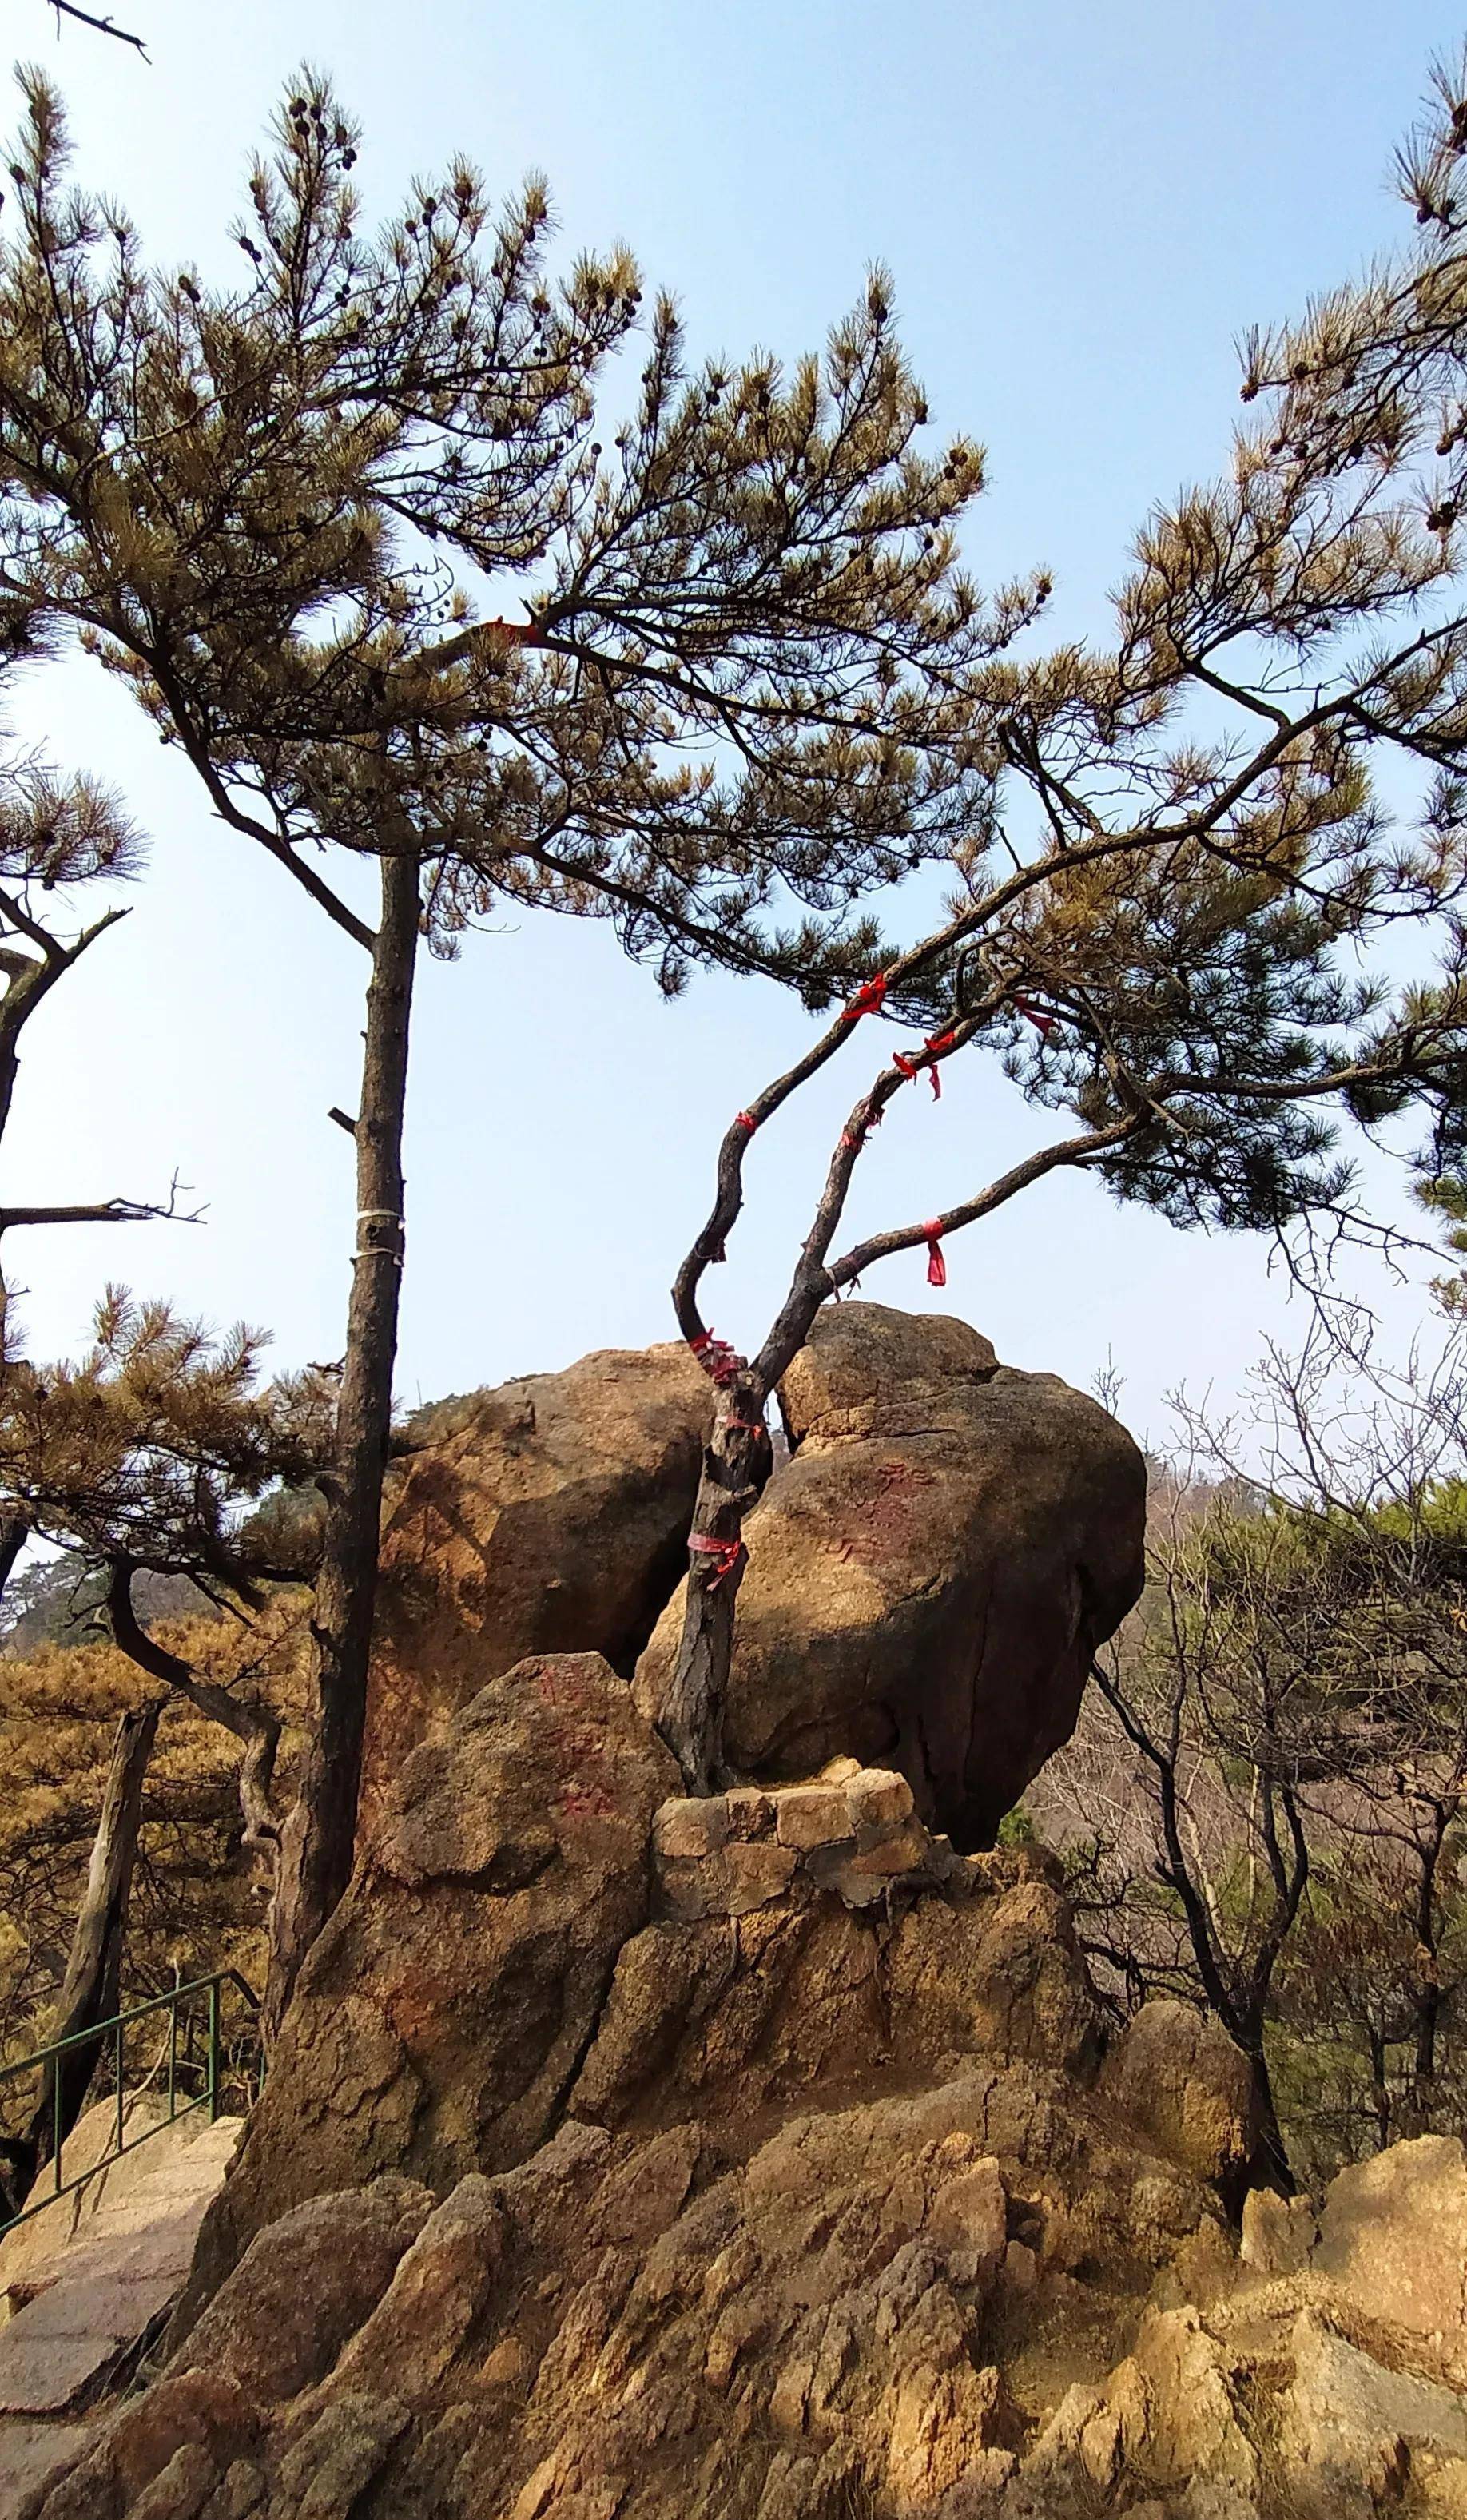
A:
(797, 2211)
(547, 1516)
(930, 1572)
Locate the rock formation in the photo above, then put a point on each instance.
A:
(548, 1516)
(628, 2158)
(930, 1573)
(442, 2016)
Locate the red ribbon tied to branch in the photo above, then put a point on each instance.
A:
(728, 1552)
(870, 999)
(1042, 1024)
(937, 1267)
(716, 1357)
(746, 1121)
(938, 1043)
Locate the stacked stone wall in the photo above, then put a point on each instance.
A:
(852, 1830)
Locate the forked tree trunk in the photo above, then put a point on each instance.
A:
(318, 1840)
(92, 1985)
(735, 1466)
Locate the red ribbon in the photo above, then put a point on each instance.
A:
(870, 999)
(729, 1553)
(937, 1267)
(746, 1121)
(937, 1042)
(716, 1357)
(1042, 1024)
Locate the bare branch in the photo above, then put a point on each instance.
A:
(101, 25)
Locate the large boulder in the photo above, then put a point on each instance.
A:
(1393, 2237)
(445, 2009)
(1176, 2072)
(930, 1573)
(549, 1516)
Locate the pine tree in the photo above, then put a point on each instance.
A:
(60, 838)
(1185, 923)
(272, 507)
(141, 1458)
(195, 1893)
(142, 1449)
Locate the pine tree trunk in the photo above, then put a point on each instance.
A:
(15, 1531)
(1269, 2167)
(317, 1842)
(92, 1985)
(736, 1465)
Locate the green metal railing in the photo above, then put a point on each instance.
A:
(183, 2007)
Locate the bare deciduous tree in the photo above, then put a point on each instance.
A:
(1270, 1820)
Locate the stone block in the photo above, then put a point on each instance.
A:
(690, 1889)
(750, 1876)
(693, 1825)
(807, 1816)
(1278, 2232)
(46, 2376)
(751, 1812)
(969, 2219)
(890, 1851)
(878, 1794)
(831, 1866)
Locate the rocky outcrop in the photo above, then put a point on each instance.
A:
(930, 1573)
(444, 2013)
(824, 2210)
(627, 2157)
(548, 1516)
(1175, 2074)
(772, 2318)
(746, 2175)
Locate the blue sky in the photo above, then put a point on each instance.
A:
(1083, 209)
